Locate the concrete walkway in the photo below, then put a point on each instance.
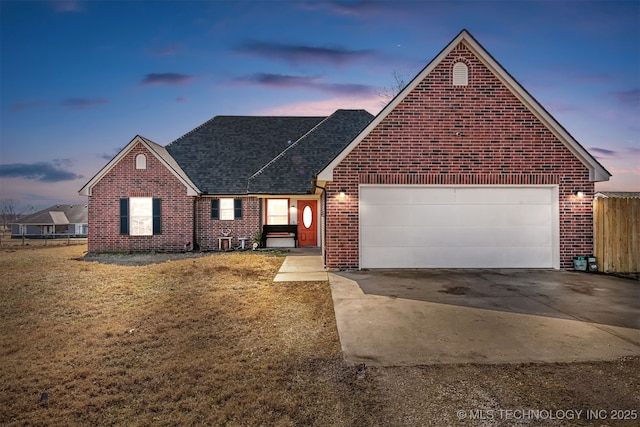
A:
(302, 265)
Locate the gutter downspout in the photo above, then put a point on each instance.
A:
(324, 218)
(194, 245)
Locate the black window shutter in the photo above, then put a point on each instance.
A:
(215, 209)
(157, 216)
(124, 216)
(237, 208)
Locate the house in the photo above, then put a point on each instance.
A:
(216, 186)
(55, 221)
(462, 169)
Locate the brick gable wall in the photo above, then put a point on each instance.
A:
(444, 134)
(124, 181)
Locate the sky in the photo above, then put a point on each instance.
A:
(80, 79)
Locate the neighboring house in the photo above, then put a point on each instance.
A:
(55, 221)
(462, 169)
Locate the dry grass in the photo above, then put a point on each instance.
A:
(208, 340)
(213, 341)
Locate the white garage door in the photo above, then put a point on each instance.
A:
(458, 227)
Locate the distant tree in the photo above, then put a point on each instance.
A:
(10, 212)
(389, 92)
(7, 212)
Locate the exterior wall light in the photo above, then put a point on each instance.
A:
(579, 194)
(342, 194)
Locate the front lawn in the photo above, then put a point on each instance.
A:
(209, 340)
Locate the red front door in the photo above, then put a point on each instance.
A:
(307, 223)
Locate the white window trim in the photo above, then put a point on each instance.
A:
(141, 216)
(279, 217)
(227, 209)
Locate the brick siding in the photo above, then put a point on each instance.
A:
(124, 181)
(208, 230)
(444, 134)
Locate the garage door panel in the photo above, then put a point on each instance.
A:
(385, 236)
(483, 257)
(501, 237)
(456, 237)
(386, 215)
(498, 196)
(381, 196)
(487, 215)
(457, 227)
(443, 215)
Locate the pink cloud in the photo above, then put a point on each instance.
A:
(372, 104)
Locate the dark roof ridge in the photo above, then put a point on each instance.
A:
(283, 152)
(192, 131)
(292, 170)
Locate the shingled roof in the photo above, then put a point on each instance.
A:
(235, 155)
(292, 171)
(57, 215)
(220, 155)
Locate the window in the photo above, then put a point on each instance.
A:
(226, 209)
(277, 211)
(140, 216)
(141, 161)
(460, 74)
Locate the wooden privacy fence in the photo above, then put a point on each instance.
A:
(616, 233)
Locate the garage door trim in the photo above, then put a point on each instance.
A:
(555, 211)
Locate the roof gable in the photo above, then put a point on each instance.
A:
(596, 171)
(220, 155)
(59, 218)
(293, 170)
(158, 151)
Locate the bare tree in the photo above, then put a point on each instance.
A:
(389, 92)
(10, 212)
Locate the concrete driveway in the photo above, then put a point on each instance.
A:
(414, 317)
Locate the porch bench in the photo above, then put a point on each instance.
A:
(289, 231)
